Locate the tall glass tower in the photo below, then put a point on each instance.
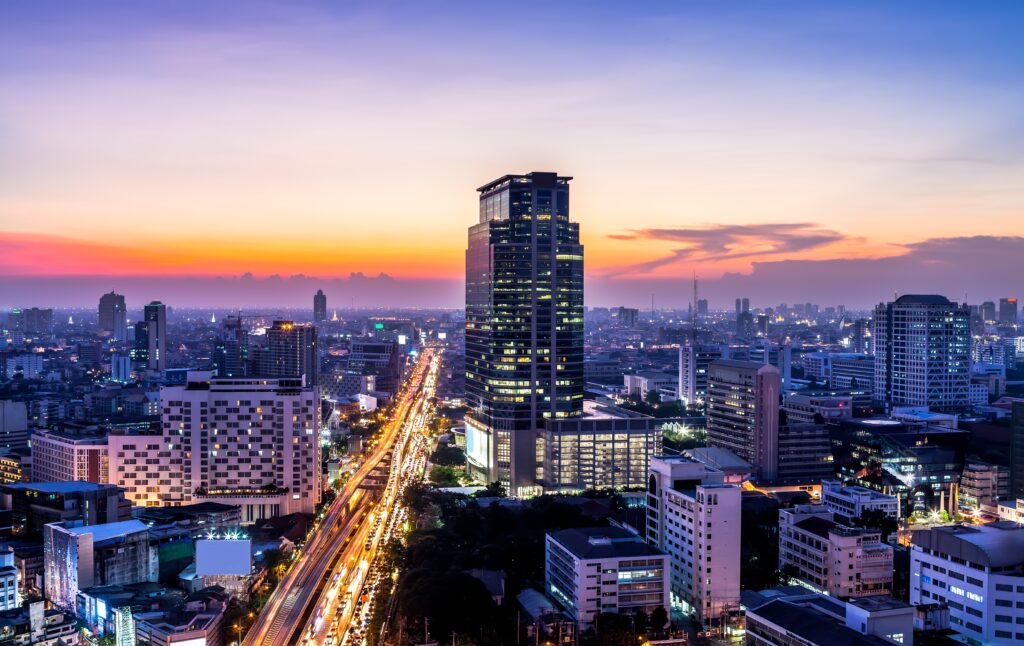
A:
(524, 325)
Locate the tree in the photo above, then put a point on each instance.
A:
(659, 618)
(493, 490)
(653, 397)
(451, 456)
(878, 519)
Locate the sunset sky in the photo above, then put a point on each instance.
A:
(217, 138)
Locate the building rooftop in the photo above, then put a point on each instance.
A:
(603, 543)
(878, 603)
(998, 544)
(923, 299)
(812, 625)
(718, 458)
(60, 487)
(816, 526)
(108, 530)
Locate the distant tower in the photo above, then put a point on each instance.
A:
(155, 316)
(113, 317)
(319, 306)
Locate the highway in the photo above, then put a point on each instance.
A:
(341, 548)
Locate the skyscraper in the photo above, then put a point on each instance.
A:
(524, 323)
(988, 311)
(923, 353)
(694, 361)
(319, 306)
(743, 412)
(113, 316)
(291, 352)
(1008, 311)
(155, 316)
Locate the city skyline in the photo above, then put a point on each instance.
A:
(207, 128)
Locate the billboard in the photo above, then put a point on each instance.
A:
(223, 556)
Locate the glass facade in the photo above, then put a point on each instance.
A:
(524, 318)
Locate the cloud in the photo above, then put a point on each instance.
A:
(731, 241)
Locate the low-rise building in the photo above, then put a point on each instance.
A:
(983, 485)
(604, 570)
(851, 501)
(821, 409)
(841, 561)
(36, 504)
(978, 572)
(818, 620)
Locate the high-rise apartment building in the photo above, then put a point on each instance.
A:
(694, 361)
(923, 353)
(155, 316)
(319, 307)
(524, 323)
(1008, 311)
(250, 442)
(113, 317)
(743, 412)
(689, 511)
(291, 351)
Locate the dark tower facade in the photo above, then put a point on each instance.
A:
(319, 307)
(524, 324)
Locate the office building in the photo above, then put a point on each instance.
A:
(852, 371)
(922, 353)
(743, 412)
(983, 485)
(627, 316)
(917, 462)
(319, 307)
(291, 352)
(13, 424)
(784, 618)
(78, 557)
(36, 504)
(59, 456)
(607, 448)
(113, 317)
(694, 361)
(249, 442)
(32, 320)
(140, 346)
(231, 353)
(382, 360)
(1008, 311)
(524, 322)
(817, 409)
(604, 570)
(836, 559)
(978, 572)
(155, 316)
(987, 312)
(805, 453)
(689, 511)
(848, 502)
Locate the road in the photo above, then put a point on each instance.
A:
(327, 559)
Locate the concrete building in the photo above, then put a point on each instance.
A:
(382, 360)
(922, 353)
(983, 485)
(84, 556)
(810, 619)
(743, 412)
(836, 559)
(604, 570)
(231, 352)
(852, 371)
(822, 409)
(10, 594)
(36, 504)
(524, 322)
(58, 456)
(13, 424)
(978, 572)
(689, 511)
(113, 317)
(292, 352)
(851, 501)
(642, 383)
(28, 365)
(251, 442)
(694, 362)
